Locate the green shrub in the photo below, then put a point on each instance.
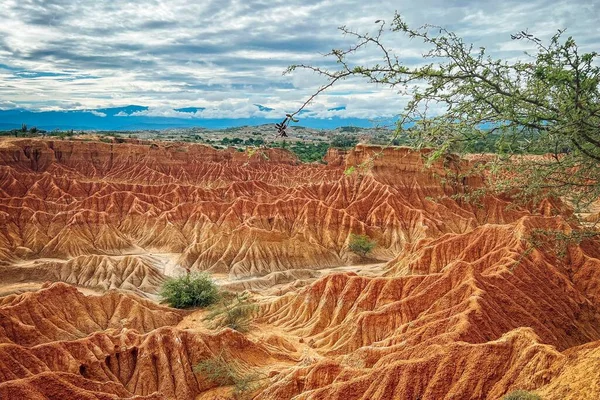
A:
(191, 290)
(361, 244)
(521, 395)
(222, 372)
(234, 312)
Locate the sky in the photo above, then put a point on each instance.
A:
(225, 59)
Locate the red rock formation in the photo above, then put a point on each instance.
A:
(111, 346)
(470, 316)
(60, 312)
(473, 302)
(222, 211)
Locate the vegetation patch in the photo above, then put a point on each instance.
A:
(235, 311)
(223, 372)
(307, 152)
(521, 395)
(361, 244)
(191, 290)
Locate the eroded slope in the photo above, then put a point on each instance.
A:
(221, 211)
(470, 303)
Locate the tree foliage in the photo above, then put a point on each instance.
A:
(306, 152)
(190, 290)
(223, 372)
(361, 244)
(344, 141)
(234, 311)
(545, 103)
(521, 395)
(558, 241)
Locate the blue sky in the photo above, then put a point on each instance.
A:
(223, 58)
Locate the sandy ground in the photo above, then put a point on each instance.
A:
(22, 287)
(167, 264)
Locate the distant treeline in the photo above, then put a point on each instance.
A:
(315, 150)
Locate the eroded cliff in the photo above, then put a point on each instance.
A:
(463, 299)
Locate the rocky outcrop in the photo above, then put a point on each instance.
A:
(470, 315)
(221, 211)
(58, 341)
(60, 312)
(472, 299)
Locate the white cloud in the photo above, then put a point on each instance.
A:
(161, 111)
(229, 54)
(6, 105)
(98, 113)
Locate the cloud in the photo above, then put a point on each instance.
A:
(7, 105)
(165, 112)
(98, 113)
(225, 56)
(226, 109)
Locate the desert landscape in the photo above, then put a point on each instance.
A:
(458, 300)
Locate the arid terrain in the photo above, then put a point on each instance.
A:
(459, 300)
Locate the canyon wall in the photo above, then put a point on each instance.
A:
(66, 204)
(463, 298)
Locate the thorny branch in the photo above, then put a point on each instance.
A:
(547, 104)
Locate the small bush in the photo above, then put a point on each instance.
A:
(191, 290)
(361, 244)
(521, 395)
(235, 313)
(224, 373)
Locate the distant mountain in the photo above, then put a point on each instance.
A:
(132, 117)
(190, 110)
(263, 108)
